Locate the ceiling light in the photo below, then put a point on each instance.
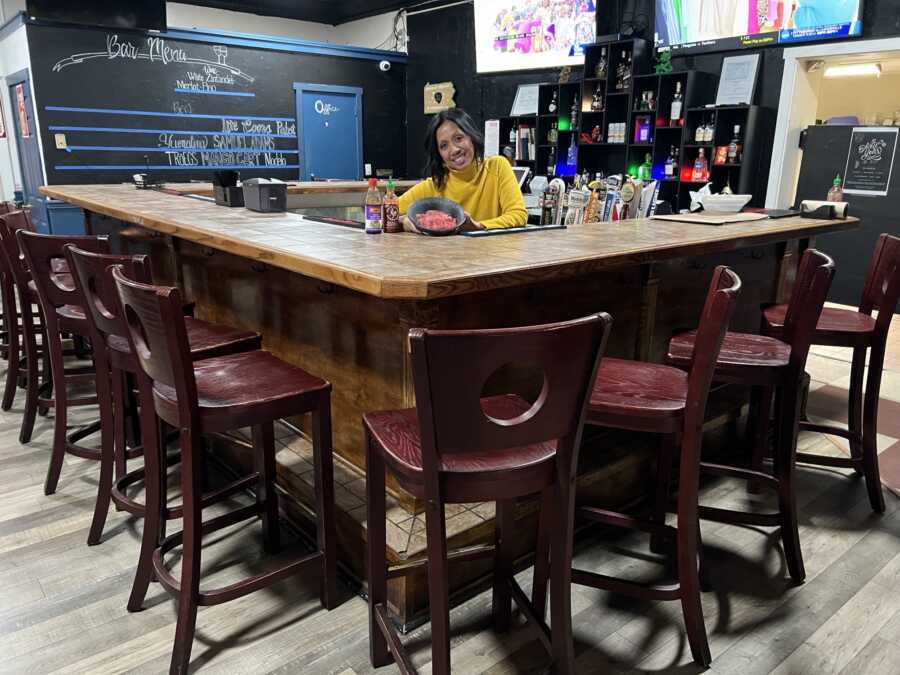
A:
(854, 70)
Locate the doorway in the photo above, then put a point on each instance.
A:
(26, 135)
(330, 135)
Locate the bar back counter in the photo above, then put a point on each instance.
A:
(340, 303)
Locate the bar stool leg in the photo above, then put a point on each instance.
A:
(760, 417)
(561, 573)
(60, 412)
(501, 601)
(325, 524)
(107, 452)
(32, 377)
(191, 460)
(117, 380)
(438, 591)
(376, 552)
(688, 550)
(13, 347)
(785, 460)
(154, 500)
(855, 406)
(542, 555)
(870, 431)
(266, 496)
(664, 457)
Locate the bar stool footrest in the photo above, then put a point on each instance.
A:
(632, 589)
(459, 555)
(740, 473)
(739, 517)
(830, 430)
(825, 460)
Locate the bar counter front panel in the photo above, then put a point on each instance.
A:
(340, 303)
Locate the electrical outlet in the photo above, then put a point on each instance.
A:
(60, 141)
(368, 169)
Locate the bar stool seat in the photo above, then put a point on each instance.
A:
(745, 358)
(236, 390)
(206, 339)
(836, 327)
(397, 432)
(631, 389)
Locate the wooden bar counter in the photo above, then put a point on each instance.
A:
(340, 303)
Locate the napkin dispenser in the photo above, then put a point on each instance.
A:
(810, 208)
(225, 188)
(267, 195)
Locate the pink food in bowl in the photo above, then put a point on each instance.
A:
(436, 220)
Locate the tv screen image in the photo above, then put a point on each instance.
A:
(137, 14)
(698, 25)
(532, 34)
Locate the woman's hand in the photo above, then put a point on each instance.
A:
(408, 225)
(470, 225)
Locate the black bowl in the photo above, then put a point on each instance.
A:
(436, 204)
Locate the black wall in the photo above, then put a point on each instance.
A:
(131, 81)
(442, 47)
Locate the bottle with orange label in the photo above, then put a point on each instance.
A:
(392, 210)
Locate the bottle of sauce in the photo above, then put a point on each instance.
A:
(392, 210)
(374, 208)
(836, 193)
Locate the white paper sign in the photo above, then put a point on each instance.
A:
(526, 102)
(738, 81)
(491, 138)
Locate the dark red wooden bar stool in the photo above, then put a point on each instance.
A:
(62, 311)
(862, 332)
(30, 322)
(6, 291)
(216, 395)
(774, 366)
(647, 397)
(112, 355)
(457, 447)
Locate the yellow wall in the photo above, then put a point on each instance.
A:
(860, 96)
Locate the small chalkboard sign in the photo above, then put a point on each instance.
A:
(870, 161)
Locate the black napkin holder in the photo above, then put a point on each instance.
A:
(265, 196)
(228, 196)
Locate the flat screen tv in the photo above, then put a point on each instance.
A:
(532, 34)
(686, 26)
(136, 14)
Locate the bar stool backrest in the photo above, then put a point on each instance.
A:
(808, 297)
(158, 337)
(882, 289)
(718, 309)
(11, 223)
(450, 369)
(7, 207)
(93, 275)
(45, 254)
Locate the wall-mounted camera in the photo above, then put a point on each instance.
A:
(384, 66)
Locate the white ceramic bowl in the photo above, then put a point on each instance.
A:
(725, 203)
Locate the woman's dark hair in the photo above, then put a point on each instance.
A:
(434, 165)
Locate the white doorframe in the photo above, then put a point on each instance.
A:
(797, 108)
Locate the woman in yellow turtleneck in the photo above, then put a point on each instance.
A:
(486, 188)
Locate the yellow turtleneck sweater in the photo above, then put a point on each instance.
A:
(488, 191)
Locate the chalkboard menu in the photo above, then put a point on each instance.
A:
(870, 161)
(114, 103)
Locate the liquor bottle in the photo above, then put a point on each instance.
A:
(626, 75)
(573, 114)
(572, 154)
(645, 170)
(620, 72)
(836, 193)
(701, 168)
(374, 211)
(551, 162)
(671, 168)
(553, 134)
(513, 135)
(700, 134)
(391, 210)
(734, 148)
(553, 105)
(677, 107)
(710, 132)
(602, 65)
(597, 100)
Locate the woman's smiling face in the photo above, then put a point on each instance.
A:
(455, 146)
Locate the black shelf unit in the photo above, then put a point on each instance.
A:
(509, 123)
(741, 176)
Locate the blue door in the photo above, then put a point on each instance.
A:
(329, 123)
(26, 135)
